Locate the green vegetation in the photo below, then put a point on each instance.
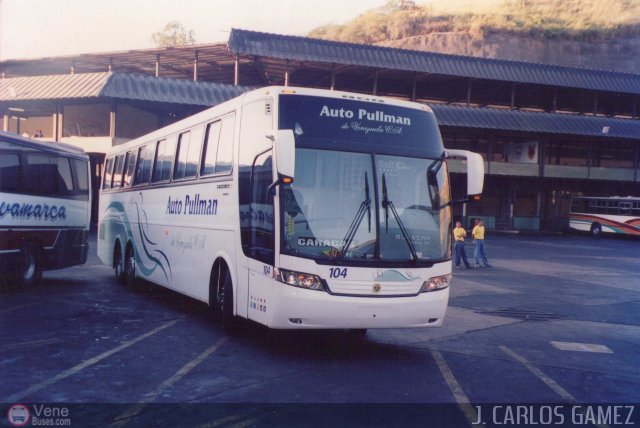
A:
(173, 34)
(584, 20)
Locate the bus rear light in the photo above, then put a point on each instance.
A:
(299, 279)
(436, 283)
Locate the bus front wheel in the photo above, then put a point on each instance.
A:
(224, 304)
(30, 269)
(596, 230)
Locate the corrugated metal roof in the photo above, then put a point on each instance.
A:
(538, 122)
(53, 87)
(117, 85)
(167, 90)
(308, 49)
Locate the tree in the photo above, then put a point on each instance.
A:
(173, 34)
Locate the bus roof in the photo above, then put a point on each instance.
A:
(51, 147)
(261, 93)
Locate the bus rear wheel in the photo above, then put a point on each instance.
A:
(596, 230)
(118, 264)
(30, 269)
(129, 274)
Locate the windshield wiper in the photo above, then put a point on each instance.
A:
(386, 204)
(365, 206)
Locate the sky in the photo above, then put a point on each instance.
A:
(46, 28)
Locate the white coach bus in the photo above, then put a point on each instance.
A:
(45, 207)
(296, 208)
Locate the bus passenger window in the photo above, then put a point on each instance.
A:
(80, 175)
(210, 146)
(106, 181)
(10, 173)
(181, 156)
(143, 168)
(169, 153)
(158, 161)
(48, 175)
(130, 163)
(64, 171)
(117, 172)
(224, 158)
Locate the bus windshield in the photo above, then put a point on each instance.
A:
(337, 209)
(361, 192)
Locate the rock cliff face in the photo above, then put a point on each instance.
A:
(618, 55)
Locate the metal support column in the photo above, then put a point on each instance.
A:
(112, 123)
(414, 85)
(195, 67)
(286, 74)
(333, 77)
(375, 83)
(236, 70)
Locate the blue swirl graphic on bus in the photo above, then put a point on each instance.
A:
(156, 256)
(394, 276)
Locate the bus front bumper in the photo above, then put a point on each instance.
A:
(296, 308)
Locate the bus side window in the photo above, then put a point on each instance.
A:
(106, 180)
(48, 175)
(117, 172)
(65, 186)
(224, 158)
(10, 172)
(130, 163)
(80, 175)
(210, 148)
(180, 170)
(158, 161)
(169, 154)
(217, 155)
(143, 166)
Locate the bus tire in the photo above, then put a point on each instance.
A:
(118, 264)
(596, 230)
(129, 274)
(225, 305)
(30, 268)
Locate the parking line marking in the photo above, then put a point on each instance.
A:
(236, 420)
(124, 418)
(546, 379)
(582, 347)
(76, 369)
(15, 308)
(461, 398)
(23, 345)
(566, 395)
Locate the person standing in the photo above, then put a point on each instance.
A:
(478, 241)
(458, 247)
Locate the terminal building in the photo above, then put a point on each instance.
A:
(546, 132)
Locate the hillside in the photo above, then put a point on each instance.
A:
(585, 33)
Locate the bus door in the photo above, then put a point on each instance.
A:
(257, 215)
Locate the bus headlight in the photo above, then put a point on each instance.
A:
(299, 279)
(436, 283)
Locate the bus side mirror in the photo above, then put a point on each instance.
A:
(475, 172)
(284, 145)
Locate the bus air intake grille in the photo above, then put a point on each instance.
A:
(523, 314)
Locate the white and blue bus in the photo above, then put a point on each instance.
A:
(45, 207)
(295, 208)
